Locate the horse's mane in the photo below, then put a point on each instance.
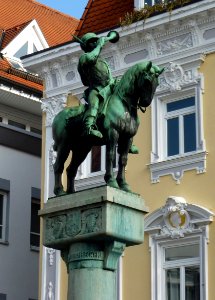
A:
(130, 77)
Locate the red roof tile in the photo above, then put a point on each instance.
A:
(56, 26)
(18, 78)
(103, 15)
(11, 33)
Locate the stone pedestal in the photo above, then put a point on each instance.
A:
(92, 229)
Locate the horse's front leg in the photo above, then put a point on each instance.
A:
(123, 149)
(78, 156)
(110, 158)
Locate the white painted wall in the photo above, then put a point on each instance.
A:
(18, 264)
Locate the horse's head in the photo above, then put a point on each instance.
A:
(147, 83)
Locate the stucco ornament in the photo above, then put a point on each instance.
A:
(176, 217)
(52, 106)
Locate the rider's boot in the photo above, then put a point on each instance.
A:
(90, 128)
(133, 149)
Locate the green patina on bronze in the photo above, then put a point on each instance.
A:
(110, 117)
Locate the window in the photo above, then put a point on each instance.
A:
(96, 159)
(22, 51)
(139, 4)
(182, 272)
(180, 126)
(3, 296)
(178, 234)
(3, 215)
(35, 219)
(178, 143)
(16, 124)
(91, 172)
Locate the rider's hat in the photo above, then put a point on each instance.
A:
(85, 39)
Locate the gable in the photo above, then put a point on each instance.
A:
(30, 39)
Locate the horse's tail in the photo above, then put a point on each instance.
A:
(55, 147)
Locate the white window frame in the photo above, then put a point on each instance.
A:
(4, 217)
(160, 164)
(87, 179)
(169, 243)
(162, 235)
(180, 113)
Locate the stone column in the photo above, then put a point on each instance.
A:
(92, 229)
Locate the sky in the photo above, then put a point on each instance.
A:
(74, 8)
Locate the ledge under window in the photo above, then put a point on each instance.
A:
(177, 166)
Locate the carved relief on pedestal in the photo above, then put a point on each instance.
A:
(72, 224)
(52, 106)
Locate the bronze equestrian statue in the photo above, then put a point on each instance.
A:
(110, 117)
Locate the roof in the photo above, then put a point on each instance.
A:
(11, 33)
(56, 26)
(15, 15)
(23, 80)
(103, 15)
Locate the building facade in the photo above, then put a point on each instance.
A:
(24, 29)
(174, 170)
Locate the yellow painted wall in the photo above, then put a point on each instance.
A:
(196, 189)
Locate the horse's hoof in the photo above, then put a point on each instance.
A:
(59, 192)
(124, 186)
(112, 183)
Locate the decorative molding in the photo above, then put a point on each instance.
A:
(177, 166)
(175, 77)
(175, 44)
(52, 106)
(175, 224)
(52, 157)
(50, 291)
(51, 256)
(177, 83)
(177, 219)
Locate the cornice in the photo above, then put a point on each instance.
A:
(175, 37)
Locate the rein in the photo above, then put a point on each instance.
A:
(129, 106)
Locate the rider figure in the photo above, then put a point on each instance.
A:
(96, 75)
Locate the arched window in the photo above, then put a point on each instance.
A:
(178, 234)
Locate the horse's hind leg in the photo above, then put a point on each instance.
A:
(78, 156)
(110, 156)
(62, 154)
(123, 148)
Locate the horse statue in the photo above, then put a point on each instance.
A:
(118, 124)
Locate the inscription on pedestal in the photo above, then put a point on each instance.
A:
(82, 255)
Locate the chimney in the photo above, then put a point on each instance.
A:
(138, 4)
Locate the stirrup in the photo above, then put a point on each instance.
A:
(95, 133)
(91, 131)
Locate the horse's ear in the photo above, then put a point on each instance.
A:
(160, 71)
(148, 66)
